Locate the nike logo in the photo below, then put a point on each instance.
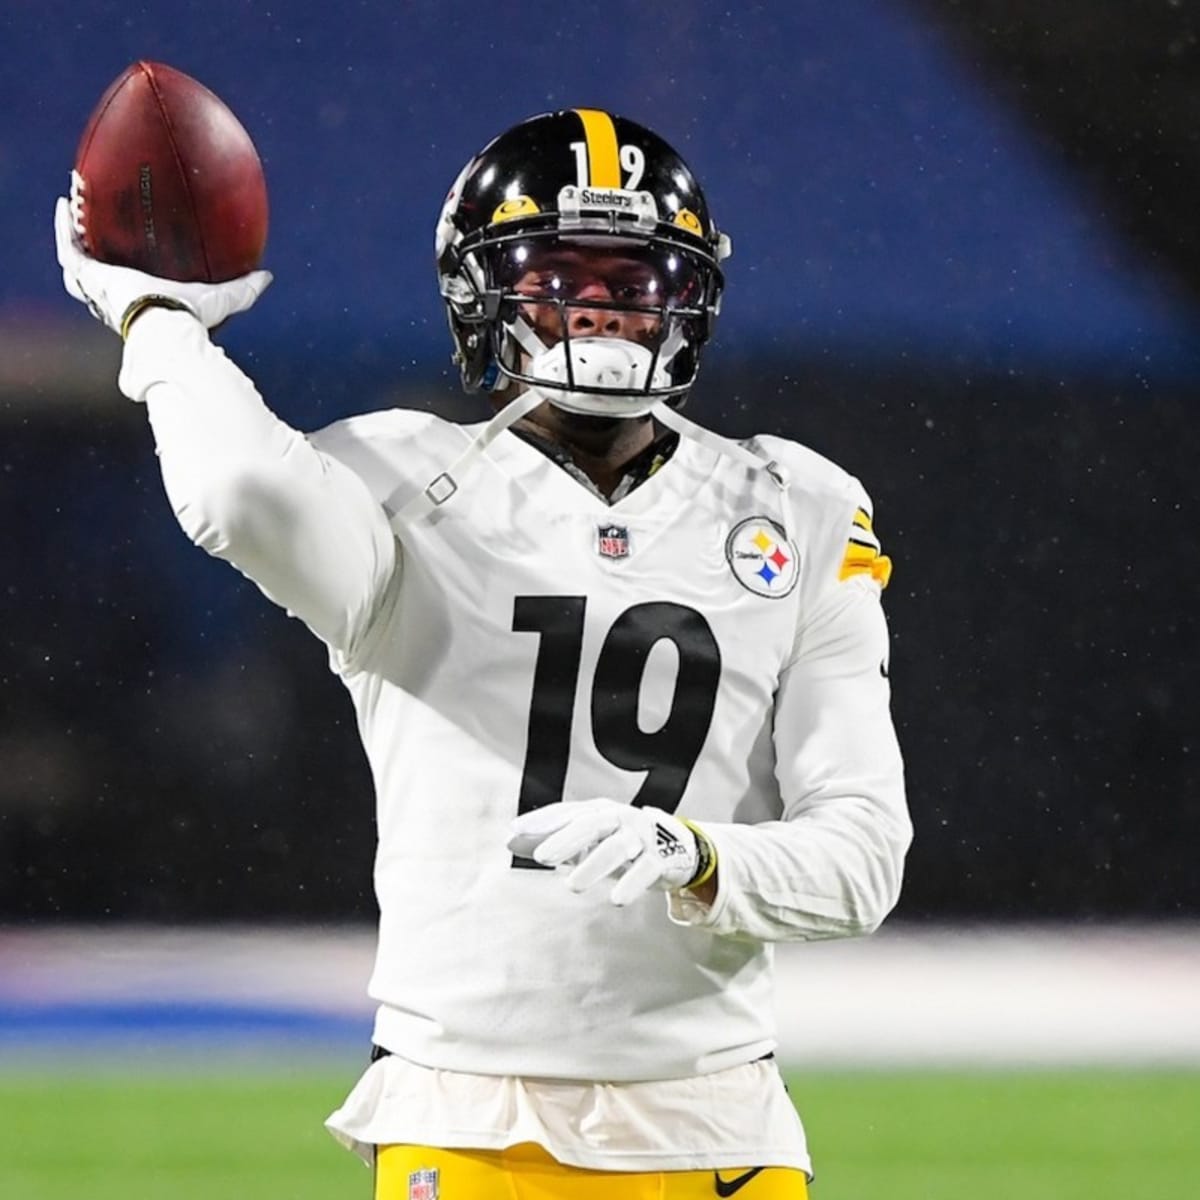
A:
(727, 1187)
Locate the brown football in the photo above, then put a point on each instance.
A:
(166, 180)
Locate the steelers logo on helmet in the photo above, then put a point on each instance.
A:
(762, 557)
(578, 259)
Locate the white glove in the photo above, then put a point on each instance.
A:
(641, 848)
(112, 292)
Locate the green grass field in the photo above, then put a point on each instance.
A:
(1086, 1135)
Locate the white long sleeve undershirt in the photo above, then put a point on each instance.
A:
(250, 489)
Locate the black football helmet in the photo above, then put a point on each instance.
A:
(569, 180)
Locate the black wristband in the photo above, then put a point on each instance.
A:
(142, 303)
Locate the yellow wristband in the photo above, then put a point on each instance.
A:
(706, 867)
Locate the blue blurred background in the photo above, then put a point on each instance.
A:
(964, 267)
(883, 199)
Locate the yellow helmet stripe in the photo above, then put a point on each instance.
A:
(604, 165)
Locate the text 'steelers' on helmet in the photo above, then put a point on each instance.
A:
(554, 189)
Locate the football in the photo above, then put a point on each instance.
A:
(167, 180)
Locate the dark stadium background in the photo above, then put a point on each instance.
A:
(966, 267)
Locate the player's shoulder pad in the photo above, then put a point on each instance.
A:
(829, 498)
(391, 446)
(810, 475)
(389, 425)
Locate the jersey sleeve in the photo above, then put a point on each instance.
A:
(832, 865)
(251, 490)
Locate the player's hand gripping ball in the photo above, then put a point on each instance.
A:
(168, 205)
(167, 181)
(115, 295)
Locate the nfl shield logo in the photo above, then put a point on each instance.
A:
(423, 1184)
(613, 541)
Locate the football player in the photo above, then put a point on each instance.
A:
(622, 682)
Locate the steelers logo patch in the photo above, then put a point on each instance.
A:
(761, 557)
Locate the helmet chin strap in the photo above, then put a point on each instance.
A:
(609, 365)
(443, 486)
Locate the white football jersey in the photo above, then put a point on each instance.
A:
(539, 644)
(711, 644)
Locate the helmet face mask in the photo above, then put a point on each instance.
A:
(571, 228)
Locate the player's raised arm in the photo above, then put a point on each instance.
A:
(165, 225)
(250, 489)
(244, 485)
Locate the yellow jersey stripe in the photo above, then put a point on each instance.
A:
(862, 519)
(604, 164)
(865, 560)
